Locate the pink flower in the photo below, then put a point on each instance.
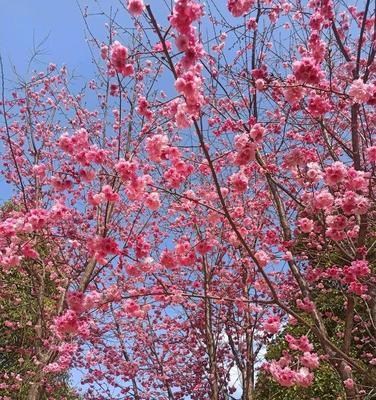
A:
(132, 309)
(303, 377)
(272, 324)
(100, 247)
(301, 344)
(182, 117)
(239, 7)
(204, 247)
(184, 14)
(136, 7)
(67, 323)
(143, 108)
(104, 52)
(252, 24)
(76, 302)
(358, 288)
(349, 383)
(305, 304)
(126, 170)
(119, 54)
(28, 251)
(152, 201)
(246, 150)
(239, 182)
(352, 203)
(156, 147)
(318, 105)
(310, 360)
(360, 91)
(335, 173)
(284, 376)
(371, 154)
(314, 173)
(260, 85)
(257, 132)
(306, 225)
(323, 200)
(307, 71)
(109, 194)
(360, 268)
(357, 180)
(293, 94)
(168, 259)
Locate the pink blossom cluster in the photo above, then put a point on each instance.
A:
(302, 343)
(107, 194)
(13, 228)
(206, 246)
(318, 105)
(298, 157)
(335, 173)
(307, 71)
(178, 172)
(185, 13)
(353, 273)
(306, 225)
(189, 72)
(272, 324)
(152, 201)
(353, 203)
(262, 258)
(100, 247)
(324, 10)
(239, 7)
(119, 55)
(245, 149)
(127, 170)
(66, 353)
(143, 108)
(157, 147)
(78, 146)
(136, 7)
(288, 377)
(371, 154)
(71, 144)
(317, 47)
(135, 184)
(283, 372)
(189, 84)
(336, 227)
(182, 255)
(239, 182)
(305, 304)
(361, 92)
(293, 91)
(80, 302)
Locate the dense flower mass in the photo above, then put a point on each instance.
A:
(198, 220)
(307, 71)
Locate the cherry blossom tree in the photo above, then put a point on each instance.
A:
(220, 188)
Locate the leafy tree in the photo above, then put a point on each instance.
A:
(22, 311)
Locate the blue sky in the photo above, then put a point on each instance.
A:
(25, 23)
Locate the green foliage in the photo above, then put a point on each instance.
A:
(21, 309)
